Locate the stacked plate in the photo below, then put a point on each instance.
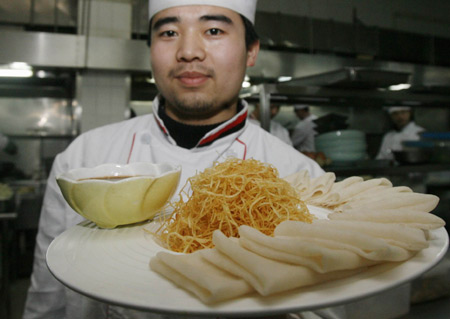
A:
(342, 146)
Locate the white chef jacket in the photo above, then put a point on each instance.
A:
(3, 141)
(392, 140)
(144, 138)
(277, 130)
(303, 134)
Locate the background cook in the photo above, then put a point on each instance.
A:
(404, 129)
(304, 132)
(275, 128)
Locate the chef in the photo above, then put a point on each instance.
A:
(6, 145)
(275, 128)
(304, 132)
(404, 129)
(199, 54)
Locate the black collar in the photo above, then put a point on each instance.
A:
(189, 136)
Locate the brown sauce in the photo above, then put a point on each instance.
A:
(107, 178)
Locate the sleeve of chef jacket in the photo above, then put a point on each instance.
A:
(386, 144)
(46, 296)
(298, 136)
(303, 136)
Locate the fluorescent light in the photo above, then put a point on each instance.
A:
(284, 78)
(16, 73)
(399, 87)
(41, 74)
(19, 65)
(246, 84)
(16, 69)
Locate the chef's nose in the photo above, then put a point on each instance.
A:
(191, 48)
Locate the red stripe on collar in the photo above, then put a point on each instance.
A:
(131, 148)
(216, 135)
(245, 148)
(161, 126)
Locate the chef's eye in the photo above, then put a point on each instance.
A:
(168, 33)
(214, 31)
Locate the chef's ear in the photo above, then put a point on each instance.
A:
(252, 53)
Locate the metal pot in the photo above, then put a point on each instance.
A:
(412, 156)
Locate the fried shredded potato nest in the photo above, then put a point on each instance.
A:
(225, 196)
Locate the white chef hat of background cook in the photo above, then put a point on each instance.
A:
(393, 109)
(245, 7)
(298, 107)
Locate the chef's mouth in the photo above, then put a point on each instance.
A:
(192, 78)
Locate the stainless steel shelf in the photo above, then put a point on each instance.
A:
(8, 215)
(337, 96)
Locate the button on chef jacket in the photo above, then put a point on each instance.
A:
(392, 141)
(144, 138)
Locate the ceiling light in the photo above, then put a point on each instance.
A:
(41, 74)
(16, 69)
(19, 66)
(399, 87)
(284, 78)
(246, 84)
(16, 73)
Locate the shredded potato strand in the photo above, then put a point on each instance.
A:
(226, 196)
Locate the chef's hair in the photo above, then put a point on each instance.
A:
(251, 36)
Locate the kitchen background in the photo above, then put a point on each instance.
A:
(85, 63)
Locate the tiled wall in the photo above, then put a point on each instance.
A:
(104, 95)
(103, 98)
(111, 18)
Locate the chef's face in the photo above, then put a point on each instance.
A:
(302, 114)
(199, 58)
(401, 118)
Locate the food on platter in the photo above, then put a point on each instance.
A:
(263, 275)
(266, 275)
(413, 201)
(225, 196)
(111, 194)
(298, 251)
(199, 276)
(356, 193)
(370, 222)
(403, 216)
(365, 239)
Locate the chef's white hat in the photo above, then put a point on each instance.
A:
(245, 7)
(393, 109)
(300, 107)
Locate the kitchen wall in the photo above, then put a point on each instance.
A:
(40, 128)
